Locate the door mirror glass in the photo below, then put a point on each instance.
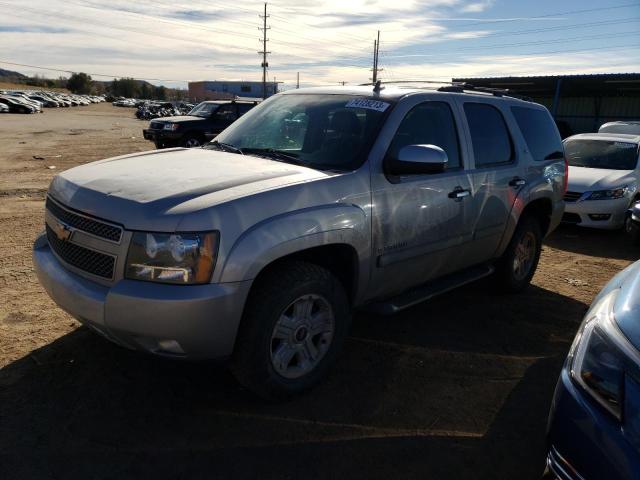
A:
(418, 159)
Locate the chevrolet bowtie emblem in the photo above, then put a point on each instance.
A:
(62, 231)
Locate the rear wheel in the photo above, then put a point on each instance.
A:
(519, 262)
(295, 323)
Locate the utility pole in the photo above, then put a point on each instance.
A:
(298, 80)
(264, 52)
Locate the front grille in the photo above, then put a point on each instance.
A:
(572, 196)
(90, 261)
(94, 227)
(569, 217)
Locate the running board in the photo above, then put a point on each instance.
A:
(429, 290)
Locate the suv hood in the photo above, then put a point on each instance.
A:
(154, 190)
(583, 179)
(181, 119)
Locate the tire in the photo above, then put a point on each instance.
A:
(632, 229)
(159, 145)
(191, 141)
(273, 357)
(520, 260)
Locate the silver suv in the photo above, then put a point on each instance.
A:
(259, 246)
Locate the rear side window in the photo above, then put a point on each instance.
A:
(489, 135)
(244, 108)
(540, 133)
(430, 123)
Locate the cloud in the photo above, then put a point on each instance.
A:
(477, 7)
(326, 41)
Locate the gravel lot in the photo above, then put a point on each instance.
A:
(457, 388)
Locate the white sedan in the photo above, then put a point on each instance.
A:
(603, 179)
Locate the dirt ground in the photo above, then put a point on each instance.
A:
(458, 387)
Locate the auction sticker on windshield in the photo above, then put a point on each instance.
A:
(368, 104)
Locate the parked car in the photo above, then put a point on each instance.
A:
(43, 101)
(603, 179)
(15, 106)
(594, 424)
(630, 128)
(378, 200)
(202, 123)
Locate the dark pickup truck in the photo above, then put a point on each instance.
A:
(203, 123)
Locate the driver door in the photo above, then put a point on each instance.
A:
(419, 220)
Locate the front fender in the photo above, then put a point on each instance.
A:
(292, 232)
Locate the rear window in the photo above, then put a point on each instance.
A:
(539, 132)
(489, 135)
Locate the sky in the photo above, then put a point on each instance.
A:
(171, 42)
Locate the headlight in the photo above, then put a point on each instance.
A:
(171, 126)
(626, 190)
(596, 358)
(183, 258)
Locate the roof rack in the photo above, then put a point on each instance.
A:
(456, 87)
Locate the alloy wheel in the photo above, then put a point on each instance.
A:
(302, 336)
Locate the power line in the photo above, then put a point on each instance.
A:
(89, 73)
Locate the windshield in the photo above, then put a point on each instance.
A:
(608, 155)
(204, 109)
(319, 131)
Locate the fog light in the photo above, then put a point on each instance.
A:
(170, 346)
(598, 217)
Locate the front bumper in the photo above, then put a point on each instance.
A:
(581, 213)
(191, 321)
(585, 441)
(167, 137)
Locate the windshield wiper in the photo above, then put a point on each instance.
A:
(557, 155)
(226, 147)
(276, 155)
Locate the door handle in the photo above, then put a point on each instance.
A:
(459, 192)
(517, 182)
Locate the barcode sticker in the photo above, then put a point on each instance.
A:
(368, 104)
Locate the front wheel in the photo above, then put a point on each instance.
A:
(520, 260)
(633, 229)
(295, 323)
(192, 142)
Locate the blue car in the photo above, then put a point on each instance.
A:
(594, 424)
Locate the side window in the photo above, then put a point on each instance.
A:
(489, 135)
(244, 108)
(429, 123)
(226, 112)
(539, 131)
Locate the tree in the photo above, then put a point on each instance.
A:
(160, 93)
(125, 87)
(80, 83)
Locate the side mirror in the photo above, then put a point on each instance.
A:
(418, 159)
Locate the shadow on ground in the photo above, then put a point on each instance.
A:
(588, 241)
(455, 388)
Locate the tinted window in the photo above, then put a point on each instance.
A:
(489, 134)
(226, 112)
(244, 108)
(602, 154)
(429, 123)
(539, 131)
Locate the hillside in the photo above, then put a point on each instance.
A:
(5, 74)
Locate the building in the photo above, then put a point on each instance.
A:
(223, 90)
(579, 103)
